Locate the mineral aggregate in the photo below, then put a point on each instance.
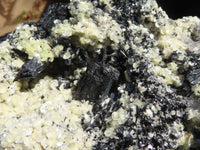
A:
(101, 75)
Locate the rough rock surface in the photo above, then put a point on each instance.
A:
(101, 74)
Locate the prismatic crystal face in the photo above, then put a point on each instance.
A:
(101, 74)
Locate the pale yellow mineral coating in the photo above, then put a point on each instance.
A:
(170, 36)
(93, 33)
(46, 120)
(117, 118)
(187, 137)
(39, 48)
(174, 36)
(37, 118)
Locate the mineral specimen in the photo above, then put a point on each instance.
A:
(101, 74)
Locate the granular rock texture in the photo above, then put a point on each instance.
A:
(101, 74)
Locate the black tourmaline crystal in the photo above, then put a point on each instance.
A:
(31, 69)
(120, 80)
(96, 81)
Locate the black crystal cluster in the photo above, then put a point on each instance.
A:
(154, 113)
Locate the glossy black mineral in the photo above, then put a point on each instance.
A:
(120, 79)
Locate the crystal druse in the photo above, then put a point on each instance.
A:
(101, 75)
